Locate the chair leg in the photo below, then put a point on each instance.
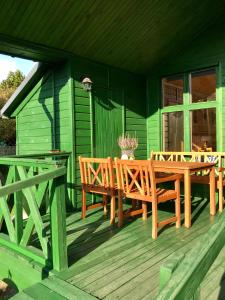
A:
(120, 209)
(84, 208)
(177, 203)
(220, 187)
(154, 219)
(112, 210)
(134, 204)
(104, 200)
(144, 208)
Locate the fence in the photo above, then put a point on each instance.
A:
(32, 210)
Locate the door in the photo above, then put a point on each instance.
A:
(108, 120)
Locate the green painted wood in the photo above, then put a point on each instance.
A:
(58, 224)
(12, 161)
(54, 287)
(31, 253)
(7, 217)
(72, 172)
(14, 266)
(65, 289)
(39, 291)
(40, 193)
(211, 43)
(34, 212)
(16, 186)
(125, 262)
(18, 204)
(167, 270)
(128, 49)
(22, 296)
(191, 271)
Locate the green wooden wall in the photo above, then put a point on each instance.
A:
(59, 114)
(205, 51)
(42, 118)
(116, 104)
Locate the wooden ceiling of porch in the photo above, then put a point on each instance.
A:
(131, 34)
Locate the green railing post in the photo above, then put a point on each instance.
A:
(184, 281)
(58, 224)
(167, 269)
(18, 210)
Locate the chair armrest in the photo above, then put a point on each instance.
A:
(168, 178)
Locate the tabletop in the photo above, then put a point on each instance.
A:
(182, 165)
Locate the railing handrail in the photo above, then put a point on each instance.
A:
(44, 154)
(190, 272)
(28, 162)
(36, 179)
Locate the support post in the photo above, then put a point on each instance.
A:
(18, 210)
(58, 224)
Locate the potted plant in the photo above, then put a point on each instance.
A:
(127, 144)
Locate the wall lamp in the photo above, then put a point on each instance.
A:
(87, 84)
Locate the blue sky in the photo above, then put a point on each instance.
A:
(8, 63)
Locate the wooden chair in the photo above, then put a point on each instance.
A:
(136, 180)
(97, 177)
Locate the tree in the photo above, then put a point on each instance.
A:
(7, 88)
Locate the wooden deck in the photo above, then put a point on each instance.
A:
(112, 263)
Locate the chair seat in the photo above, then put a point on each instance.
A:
(162, 195)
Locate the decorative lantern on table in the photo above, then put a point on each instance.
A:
(127, 144)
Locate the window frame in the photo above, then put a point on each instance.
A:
(187, 107)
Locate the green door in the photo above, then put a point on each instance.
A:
(107, 121)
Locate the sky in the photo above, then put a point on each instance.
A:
(8, 63)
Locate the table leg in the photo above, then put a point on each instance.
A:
(187, 199)
(212, 192)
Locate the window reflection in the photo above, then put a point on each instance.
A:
(203, 86)
(173, 131)
(204, 129)
(173, 90)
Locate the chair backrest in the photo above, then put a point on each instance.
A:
(209, 157)
(135, 176)
(97, 172)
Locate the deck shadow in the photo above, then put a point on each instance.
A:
(91, 238)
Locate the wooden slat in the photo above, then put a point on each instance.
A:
(34, 211)
(30, 222)
(58, 224)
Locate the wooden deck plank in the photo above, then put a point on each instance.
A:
(151, 250)
(111, 263)
(39, 292)
(124, 275)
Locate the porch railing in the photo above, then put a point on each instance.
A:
(181, 275)
(32, 210)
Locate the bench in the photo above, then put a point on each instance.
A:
(201, 178)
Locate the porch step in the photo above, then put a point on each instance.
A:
(53, 288)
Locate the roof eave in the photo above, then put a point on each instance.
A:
(23, 89)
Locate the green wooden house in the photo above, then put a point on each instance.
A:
(158, 71)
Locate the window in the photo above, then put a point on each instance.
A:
(173, 133)
(203, 86)
(189, 111)
(172, 90)
(204, 129)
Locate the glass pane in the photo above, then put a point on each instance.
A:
(203, 86)
(173, 131)
(173, 90)
(204, 129)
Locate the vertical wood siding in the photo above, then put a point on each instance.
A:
(41, 122)
(119, 104)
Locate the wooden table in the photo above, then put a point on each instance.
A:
(187, 168)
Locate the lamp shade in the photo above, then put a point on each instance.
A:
(87, 84)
